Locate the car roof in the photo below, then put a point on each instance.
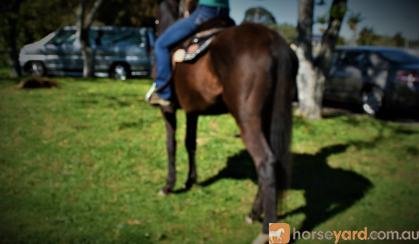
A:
(107, 28)
(369, 48)
(399, 55)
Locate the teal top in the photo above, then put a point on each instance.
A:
(215, 3)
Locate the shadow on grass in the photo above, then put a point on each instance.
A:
(328, 191)
(400, 114)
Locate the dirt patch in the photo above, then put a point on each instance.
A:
(37, 82)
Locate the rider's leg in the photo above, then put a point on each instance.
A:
(179, 30)
(175, 33)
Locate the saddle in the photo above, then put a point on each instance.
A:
(192, 48)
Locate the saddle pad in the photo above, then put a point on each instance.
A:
(196, 45)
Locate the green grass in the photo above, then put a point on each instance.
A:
(84, 162)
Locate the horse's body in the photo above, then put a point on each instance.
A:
(249, 72)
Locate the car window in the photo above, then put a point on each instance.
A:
(116, 37)
(335, 57)
(129, 38)
(353, 58)
(64, 37)
(377, 61)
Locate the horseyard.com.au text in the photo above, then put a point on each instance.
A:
(281, 233)
(346, 235)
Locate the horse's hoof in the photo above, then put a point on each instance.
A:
(248, 220)
(187, 187)
(261, 239)
(163, 193)
(189, 184)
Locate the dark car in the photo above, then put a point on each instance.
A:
(376, 78)
(118, 52)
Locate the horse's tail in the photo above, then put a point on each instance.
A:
(283, 77)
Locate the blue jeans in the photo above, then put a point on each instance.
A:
(171, 36)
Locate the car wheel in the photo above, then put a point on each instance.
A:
(120, 72)
(372, 100)
(36, 68)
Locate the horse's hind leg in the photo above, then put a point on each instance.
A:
(169, 116)
(257, 208)
(264, 160)
(190, 143)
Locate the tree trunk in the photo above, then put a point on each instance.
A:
(83, 26)
(165, 20)
(330, 36)
(11, 39)
(13, 50)
(312, 72)
(305, 27)
(308, 87)
(88, 60)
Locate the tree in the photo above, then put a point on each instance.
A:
(367, 36)
(168, 6)
(399, 40)
(288, 31)
(128, 12)
(353, 22)
(10, 12)
(113, 12)
(84, 21)
(24, 22)
(313, 70)
(259, 15)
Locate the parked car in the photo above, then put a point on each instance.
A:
(375, 78)
(119, 52)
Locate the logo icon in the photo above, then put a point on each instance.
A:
(279, 233)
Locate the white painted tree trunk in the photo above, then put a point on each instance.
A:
(310, 83)
(88, 64)
(312, 71)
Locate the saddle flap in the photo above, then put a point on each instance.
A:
(200, 41)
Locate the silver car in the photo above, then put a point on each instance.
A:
(119, 52)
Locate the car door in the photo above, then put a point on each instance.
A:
(345, 77)
(100, 41)
(63, 53)
(404, 88)
(54, 51)
(126, 46)
(138, 48)
(334, 76)
(71, 56)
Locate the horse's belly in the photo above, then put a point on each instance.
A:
(197, 88)
(195, 102)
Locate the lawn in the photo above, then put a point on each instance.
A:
(84, 162)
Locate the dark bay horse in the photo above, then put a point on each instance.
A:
(249, 71)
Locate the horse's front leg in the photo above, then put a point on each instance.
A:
(190, 143)
(169, 115)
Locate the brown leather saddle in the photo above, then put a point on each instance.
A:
(193, 47)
